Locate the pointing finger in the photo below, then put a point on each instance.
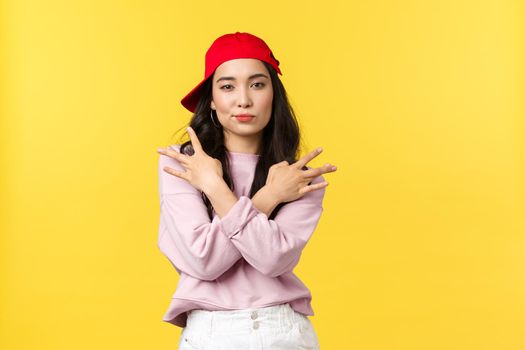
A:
(304, 160)
(313, 187)
(182, 158)
(327, 168)
(197, 147)
(177, 173)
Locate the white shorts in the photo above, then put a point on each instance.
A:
(272, 327)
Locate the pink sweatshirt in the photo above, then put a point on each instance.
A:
(243, 260)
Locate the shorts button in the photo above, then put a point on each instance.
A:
(254, 315)
(256, 325)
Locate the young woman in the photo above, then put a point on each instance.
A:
(237, 208)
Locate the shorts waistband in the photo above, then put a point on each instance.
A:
(281, 316)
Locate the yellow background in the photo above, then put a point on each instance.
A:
(419, 103)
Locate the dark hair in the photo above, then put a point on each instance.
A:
(280, 141)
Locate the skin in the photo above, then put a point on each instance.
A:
(242, 95)
(285, 182)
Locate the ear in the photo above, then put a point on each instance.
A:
(212, 105)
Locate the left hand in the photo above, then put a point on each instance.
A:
(202, 171)
(288, 182)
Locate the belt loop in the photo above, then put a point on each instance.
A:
(292, 314)
(211, 324)
(284, 316)
(280, 316)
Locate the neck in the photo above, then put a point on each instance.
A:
(245, 144)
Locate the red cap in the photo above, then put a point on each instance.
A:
(228, 47)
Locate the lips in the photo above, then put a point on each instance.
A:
(244, 117)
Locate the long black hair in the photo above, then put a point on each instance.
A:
(281, 137)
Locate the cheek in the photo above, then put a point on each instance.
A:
(267, 102)
(223, 109)
(221, 101)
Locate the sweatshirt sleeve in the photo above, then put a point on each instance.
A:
(274, 246)
(187, 237)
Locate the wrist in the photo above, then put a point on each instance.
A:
(265, 200)
(271, 194)
(214, 184)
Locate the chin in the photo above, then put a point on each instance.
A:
(245, 130)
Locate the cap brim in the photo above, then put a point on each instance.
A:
(191, 100)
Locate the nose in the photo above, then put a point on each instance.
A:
(244, 99)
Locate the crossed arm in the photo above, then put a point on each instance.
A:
(206, 249)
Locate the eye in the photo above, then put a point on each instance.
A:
(260, 84)
(225, 87)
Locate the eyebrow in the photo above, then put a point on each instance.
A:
(258, 75)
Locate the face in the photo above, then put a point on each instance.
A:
(242, 86)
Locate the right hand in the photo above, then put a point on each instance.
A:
(202, 171)
(289, 182)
